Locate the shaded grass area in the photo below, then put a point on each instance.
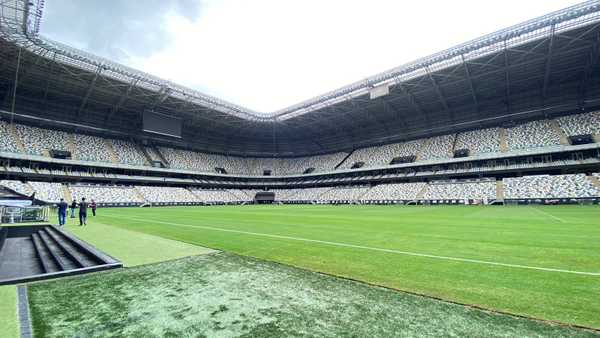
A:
(133, 248)
(561, 237)
(225, 295)
(9, 325)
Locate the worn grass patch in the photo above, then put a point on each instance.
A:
(9, 326)
(133, 248)
(225, 295)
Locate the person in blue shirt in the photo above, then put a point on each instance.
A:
(62, 212)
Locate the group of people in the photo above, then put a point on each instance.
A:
(83, 208)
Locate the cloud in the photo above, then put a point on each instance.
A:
(116, 29)
(269, 54)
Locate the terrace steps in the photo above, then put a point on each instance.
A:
(503, 142)
(594, 180)
(144, 152)
(111, 152)
(564, 140)
(18, 141)
(139, 194)
(67, 193)
(499, 191)
(420, 151)
(422, 192)
(71, 146)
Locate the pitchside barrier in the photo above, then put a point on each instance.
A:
(12, 215)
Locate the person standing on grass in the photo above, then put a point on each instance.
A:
(73, 207)
(83, 205)
(62, 212)
(93, 206)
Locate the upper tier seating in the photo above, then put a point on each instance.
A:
(461, 190)
(7, 139)
(547, 186)
(91, 148)
(479, 141)
(38, 141)
(128, 153)
(580, 124)
(438, 147)
(382, 155)
(531, 135)
(400, 191)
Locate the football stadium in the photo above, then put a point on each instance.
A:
(454, 195)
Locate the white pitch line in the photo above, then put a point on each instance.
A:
(407, 253)
(548, 214)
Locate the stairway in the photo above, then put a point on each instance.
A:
(423, 146)
(594, 180)
(499, 190)
(18, 141)
(111, 151)
(71, 146)
(144, 152)
(67, 193)
(139, 194)
(56, 252)
(503, 142)
(344, 159)
(422, 192)
(558, 130)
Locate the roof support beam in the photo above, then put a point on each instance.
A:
(592, 62)
(89, 90)
(548, 64)
(471, 86)
(413, 102)
(506, 79)
(439, 94)
(389, 106)
(122, 100)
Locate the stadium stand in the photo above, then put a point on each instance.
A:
(105, 193)
(382, 155)
(339, 194)
(128, 153)
(461, 190)
(7, 140)
(580, 124)
(401, 191)
(166, 194)
(18, 187)
(438, 147)
(47, 192)
(533, 134)
(549, 186)
(38, 141)
(91, 148)
(479, 141)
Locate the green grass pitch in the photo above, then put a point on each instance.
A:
(541, 262)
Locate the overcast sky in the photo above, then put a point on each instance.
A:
(269, 54)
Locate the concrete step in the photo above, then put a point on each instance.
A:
(499, 190)
(56, 250)
(503, 142)
(74, 252)
(47, 261)
(564, 140)
(422, 192)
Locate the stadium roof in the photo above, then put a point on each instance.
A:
(543, 66)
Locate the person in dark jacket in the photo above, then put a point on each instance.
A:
(93, 206)
(83, 205)
(73, 207)
(62, 212)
